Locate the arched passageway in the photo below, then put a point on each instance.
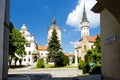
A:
(110, 32)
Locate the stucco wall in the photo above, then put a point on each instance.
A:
(58, 30)
(2, 9)
(84, 47)
(4, 38)
(110, 50)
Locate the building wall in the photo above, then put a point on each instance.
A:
(84, 47)
(110, 49)
(58, 30)
(84, 31)
(43, 55)
(91, 45)
(2, 14)
(28, 59)
(29, 50)
(4, 37)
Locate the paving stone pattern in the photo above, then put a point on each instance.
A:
(51, 74)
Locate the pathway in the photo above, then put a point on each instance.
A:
(50, 74)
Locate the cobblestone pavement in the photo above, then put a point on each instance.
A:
(51, 74)
(54, 72)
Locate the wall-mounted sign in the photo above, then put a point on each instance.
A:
(110, 39)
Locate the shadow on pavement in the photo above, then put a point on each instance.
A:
(49, 77)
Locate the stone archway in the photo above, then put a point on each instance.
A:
(110, 32)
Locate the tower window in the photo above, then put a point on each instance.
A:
(84, 47)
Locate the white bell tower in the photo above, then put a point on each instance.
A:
(52, 27)
(84, 24)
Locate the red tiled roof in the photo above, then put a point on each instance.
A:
(43, 48)
(78, 47)
(70, 54)
(91, 38)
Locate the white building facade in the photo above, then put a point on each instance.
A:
(30, 47)
(43, 53)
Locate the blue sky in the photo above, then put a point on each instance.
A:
(38, 15)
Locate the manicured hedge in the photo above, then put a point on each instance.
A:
(40, 63)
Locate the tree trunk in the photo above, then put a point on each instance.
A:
(20, 62)
(16, 60)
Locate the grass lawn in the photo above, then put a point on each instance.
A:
(49, 65)
(46, 66)
(69, 66)
(52, 66)
(87, 74)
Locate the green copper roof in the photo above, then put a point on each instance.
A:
(84, 17)
(35, 51)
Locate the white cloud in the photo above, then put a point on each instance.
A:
(73, 43)
(74, 18)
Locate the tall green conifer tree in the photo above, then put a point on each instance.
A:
(54, 48)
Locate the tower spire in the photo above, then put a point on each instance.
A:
(54, 20)
(84, 17)
(84, 24)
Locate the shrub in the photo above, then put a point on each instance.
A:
(96, 69)
(40, 63)
(82, 65)
(61, 60)
(87, 67)
(65, 60)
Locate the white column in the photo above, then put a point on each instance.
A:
(76, 55)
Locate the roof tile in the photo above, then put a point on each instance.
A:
(43, 48)
(91, 38)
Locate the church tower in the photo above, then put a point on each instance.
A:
(52, 27)
(84, 24)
